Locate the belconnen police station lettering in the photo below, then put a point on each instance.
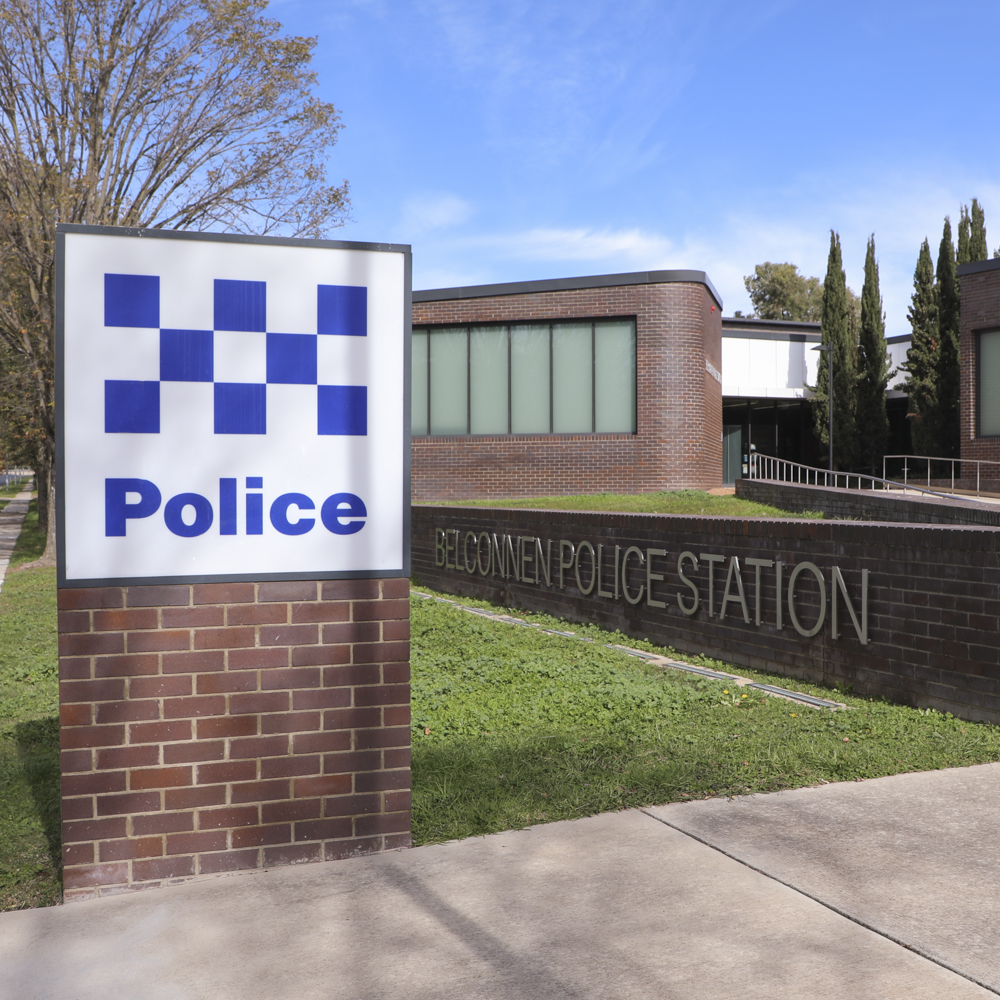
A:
(641, 575)
(191, 514)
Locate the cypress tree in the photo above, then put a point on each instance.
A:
(836, 332)
(948, 373)
(873, 369)
(964, 236)
(977, 241)
(921, 358)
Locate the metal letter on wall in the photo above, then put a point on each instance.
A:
(821, 618)
(688, 609)
(837, 583)
(625, 590)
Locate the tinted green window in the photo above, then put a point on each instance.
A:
(531, 378)
(488, 383)
(529, 387)
(418, 395)
(614, 370)
(989, 383)
(449, 381)
(572, 378)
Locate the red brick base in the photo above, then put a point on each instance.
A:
(216, 727)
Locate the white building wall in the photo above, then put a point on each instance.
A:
(782, 368)
(776, 369)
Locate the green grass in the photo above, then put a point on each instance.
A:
(694, 502)
(513, 727)
(31, 542)
(29, 741)
(29, 730)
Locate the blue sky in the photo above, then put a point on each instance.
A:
(511, 140)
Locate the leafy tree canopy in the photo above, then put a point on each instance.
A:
(778, 291)
(176, 114)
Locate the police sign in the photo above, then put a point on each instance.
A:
(230, 408)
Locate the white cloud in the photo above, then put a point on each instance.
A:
(435, 211)
(556, 244)
(791, 225)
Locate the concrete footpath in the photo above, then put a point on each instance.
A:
(11, 521)
(881, 889)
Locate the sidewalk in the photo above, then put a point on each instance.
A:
(11, 520)
(881, 889)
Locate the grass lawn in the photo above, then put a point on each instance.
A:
(513, 727)
(29, 731)
(673, 502)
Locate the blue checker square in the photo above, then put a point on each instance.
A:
(131, 300)
(291, 358)
(186, 355)
(240, 305)
(240, 408)
(343, 409)
(342, 310)
(131, 407)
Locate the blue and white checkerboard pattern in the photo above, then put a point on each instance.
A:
(133, 407)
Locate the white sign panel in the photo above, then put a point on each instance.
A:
(231, 407)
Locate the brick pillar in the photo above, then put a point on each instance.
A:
(216, 727)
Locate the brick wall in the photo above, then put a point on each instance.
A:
(933, 603)
(679, 404)
(215, 727)
(868, 505)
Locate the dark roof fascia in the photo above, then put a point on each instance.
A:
(569, 285)
(976, 266)
(795, 336)
(769, 324)
(899, 338)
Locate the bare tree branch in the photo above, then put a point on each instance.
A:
(179, 114)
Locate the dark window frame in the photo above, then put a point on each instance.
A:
(430, 328)
(978, 383)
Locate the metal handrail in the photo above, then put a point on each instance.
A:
(978, 462)
(781, 470)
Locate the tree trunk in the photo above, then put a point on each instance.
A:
(45, 485)
(42, 489)
(49, 555)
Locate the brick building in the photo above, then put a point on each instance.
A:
(602, 383)
(980, 353)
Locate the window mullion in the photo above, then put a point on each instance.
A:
(551, 377)
(593, 377)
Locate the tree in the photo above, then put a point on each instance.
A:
(948, 371)
(873, 369)
(174, 114)
(922, 358)
(977, 238)
(836, 332)
(964, 236)
(778, 291)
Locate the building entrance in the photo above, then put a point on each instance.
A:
(732, 453)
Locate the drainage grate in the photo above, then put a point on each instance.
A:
(806, 699)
